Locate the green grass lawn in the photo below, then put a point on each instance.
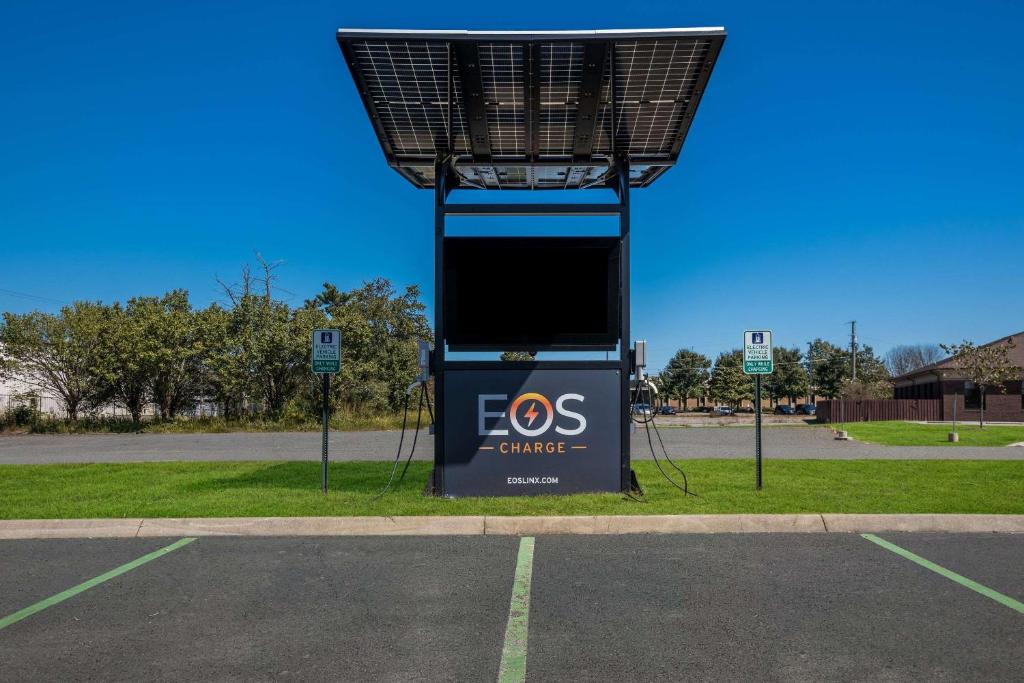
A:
(230, 489)
(912, 434)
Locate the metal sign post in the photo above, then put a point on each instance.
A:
(326, 357)
(757, 427)
(758, 360)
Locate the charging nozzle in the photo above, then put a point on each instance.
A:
(640, 358)
(424, 361)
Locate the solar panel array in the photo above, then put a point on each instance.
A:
(543, 113)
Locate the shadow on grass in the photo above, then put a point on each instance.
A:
(367, 478)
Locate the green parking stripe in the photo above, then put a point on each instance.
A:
(513, 655)
(82, 587)
(953, 576)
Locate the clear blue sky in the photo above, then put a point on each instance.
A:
(849, 161)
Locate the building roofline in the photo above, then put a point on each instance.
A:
(931, 367)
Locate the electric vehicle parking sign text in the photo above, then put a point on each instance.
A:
(757, 352)
(326, 352)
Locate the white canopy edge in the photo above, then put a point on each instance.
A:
(607, 34)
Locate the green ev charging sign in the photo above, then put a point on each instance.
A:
(757, 352)
(326, 351)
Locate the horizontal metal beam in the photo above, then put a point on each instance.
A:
(533, 364)
(532, 209)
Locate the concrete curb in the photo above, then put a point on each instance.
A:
(852, 523)
(69, 528)
(652, 524)
(505, 526)
(314, 526)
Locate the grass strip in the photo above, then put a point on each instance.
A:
(91, 583)
(897, 433)
(951, 575)
(292, 489)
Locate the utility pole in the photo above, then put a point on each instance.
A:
(853, 350)
(810, 372)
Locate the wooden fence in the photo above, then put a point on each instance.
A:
(875, 410)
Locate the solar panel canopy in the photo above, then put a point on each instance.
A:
(531, 110)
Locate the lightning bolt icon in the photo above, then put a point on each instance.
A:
(531, 414)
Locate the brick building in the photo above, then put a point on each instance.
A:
(943, 381)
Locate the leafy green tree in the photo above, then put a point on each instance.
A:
(789, 378)
(686, 375)
(516, 355)
(285, 356)
(380, 331)
(174, 350)
(59, 354)
(123, 361)
(831, 368)
(224, 368)
(151, 353)
(873, 378)
(833, 372)
(274, 348)
(872, 371)
(729, 384)
(257, 350)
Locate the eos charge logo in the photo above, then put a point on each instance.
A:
(531, 414)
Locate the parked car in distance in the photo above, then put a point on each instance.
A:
(666, 410)
(723, 410)
(784, 410)
(805, 409)
(642, 409)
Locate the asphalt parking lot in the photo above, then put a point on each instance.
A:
(674, 607)
(790, 442)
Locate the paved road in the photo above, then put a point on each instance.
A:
(793, 607)
(687, 443)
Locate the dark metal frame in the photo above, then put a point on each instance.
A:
(618, 182)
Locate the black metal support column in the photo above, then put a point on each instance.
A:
(441, 189)
(622, 190)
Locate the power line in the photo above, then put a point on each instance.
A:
(777, 363)
(26, 295)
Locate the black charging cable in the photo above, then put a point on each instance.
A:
(647, 421)
(424, 399)
(401, 439)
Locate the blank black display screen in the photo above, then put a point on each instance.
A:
(529, 294)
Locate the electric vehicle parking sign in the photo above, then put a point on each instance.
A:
(757, 352)
(326, 351)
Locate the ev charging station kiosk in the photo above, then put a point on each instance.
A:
(521, 110)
